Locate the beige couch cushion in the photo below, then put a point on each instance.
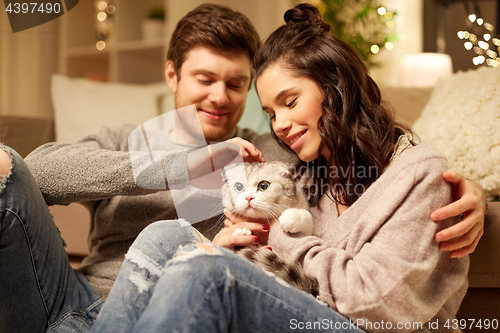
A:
(407, 103)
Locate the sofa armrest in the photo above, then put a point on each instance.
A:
(24, 134)
(484, 271)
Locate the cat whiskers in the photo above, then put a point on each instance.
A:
(217, 211)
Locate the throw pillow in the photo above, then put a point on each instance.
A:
(462, 119)
(82, 107)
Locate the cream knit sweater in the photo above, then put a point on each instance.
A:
(378, 262)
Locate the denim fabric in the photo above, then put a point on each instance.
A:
(144, 263)
(160, 289)
(39, 291)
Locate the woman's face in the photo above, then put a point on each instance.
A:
(294, 104)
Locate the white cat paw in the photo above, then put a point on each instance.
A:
(241, 231)
(295, 220)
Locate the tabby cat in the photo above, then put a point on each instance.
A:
(267, 190)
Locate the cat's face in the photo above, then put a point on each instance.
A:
(259, 190)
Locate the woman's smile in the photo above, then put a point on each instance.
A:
(294, 104)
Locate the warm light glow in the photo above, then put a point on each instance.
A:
(461, 34)
(489, 27)
(472, 17)
(487, 37)
(480, 21)
(493, 63)
(100, 45)
(389, 46)
(101, 16)
(478, 50)
(391, 25)
(491, 54)
(467, 34)
(496, 41)
(381, 10)
(374, 49)
(388, 15)
(478, 60)
(102, 5)
(111, 9)
(472, 38)
(468, 45)
(424, 69)
(483, 45)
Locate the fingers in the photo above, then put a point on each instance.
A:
(464, 245)
(467, 249)
(474, 219)
(227, 239)
(248, 151)
(228, 223)
(453, 177)
(455, 208)
(469, 197)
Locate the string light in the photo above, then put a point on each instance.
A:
(365, 24)
(477, 41)
(104, 23)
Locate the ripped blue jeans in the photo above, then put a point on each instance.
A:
(39, 291)
(165, 288)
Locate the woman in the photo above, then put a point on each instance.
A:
(373, 249)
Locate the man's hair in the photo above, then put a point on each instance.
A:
(214, 26)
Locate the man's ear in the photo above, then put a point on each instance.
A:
(170, 75)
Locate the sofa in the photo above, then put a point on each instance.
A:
(482, 301)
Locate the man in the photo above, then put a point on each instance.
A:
(208, 66)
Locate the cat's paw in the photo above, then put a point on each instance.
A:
(295, 220)
(241, 231)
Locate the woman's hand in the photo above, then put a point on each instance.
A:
(258, 227)
(226, 238)
(462, 238)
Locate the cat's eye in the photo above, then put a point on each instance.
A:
(263, 185)
(238, 187)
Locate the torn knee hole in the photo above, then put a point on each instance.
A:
(5, 164)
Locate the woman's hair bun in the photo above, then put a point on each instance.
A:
(306, 13)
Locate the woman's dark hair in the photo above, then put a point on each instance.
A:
(357, 130)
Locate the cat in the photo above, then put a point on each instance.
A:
(268, 191)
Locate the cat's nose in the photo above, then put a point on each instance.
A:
(249, 199)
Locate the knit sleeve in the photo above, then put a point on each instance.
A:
(378, 262)
(99, 167)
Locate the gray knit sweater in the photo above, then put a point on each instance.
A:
(97, 172)
(378, 261)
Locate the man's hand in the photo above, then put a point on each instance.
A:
(462, 238)
(248, 151)
(204, 164)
